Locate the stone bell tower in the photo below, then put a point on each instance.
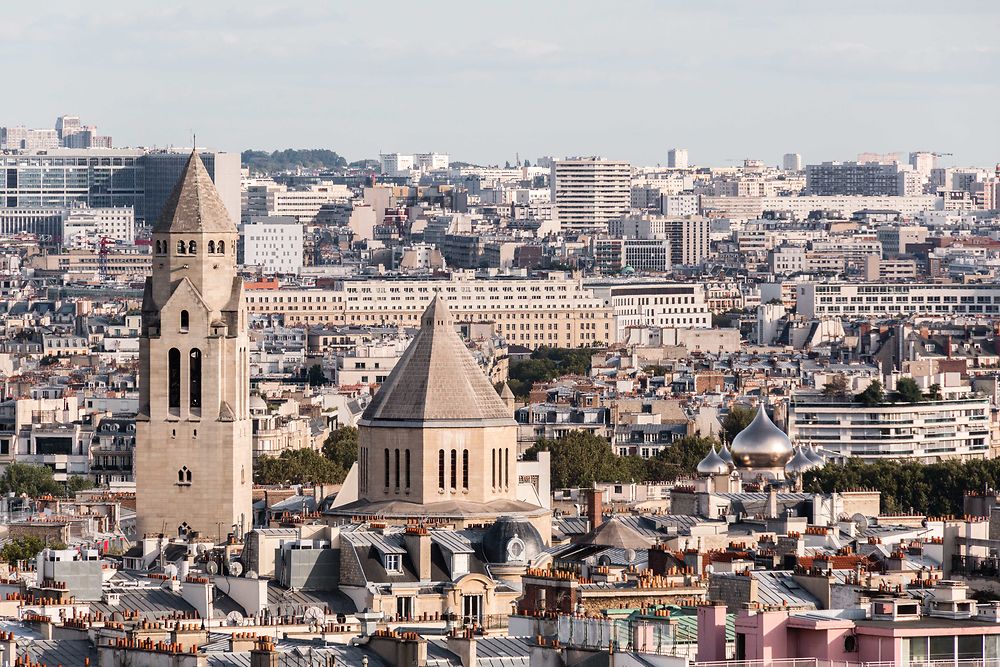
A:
(193, 467)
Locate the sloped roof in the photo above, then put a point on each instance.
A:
(437, 378)
(615, 533)
(194, 206)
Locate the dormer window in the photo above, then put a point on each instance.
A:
(393, 563)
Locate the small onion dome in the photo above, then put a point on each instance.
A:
(727, 456)
(713, 464)
(799, 463)
(761, 444)
(814, 455)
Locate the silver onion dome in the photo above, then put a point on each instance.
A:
(713, 464)
(762, 444)
(799, 463)
(727, 456)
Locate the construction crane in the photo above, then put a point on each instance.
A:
(102, 256)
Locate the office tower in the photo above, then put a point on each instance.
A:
(272, 243)
(923, 162)
(856, 178)
(66, 126)
(589, 192)
(64, 178)
(396, 164)
(162, 171)
(792, 162)
(193, 458)
(22, 138)
(677, 158)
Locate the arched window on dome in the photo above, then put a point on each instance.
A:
(506, 467)
(493, 466)
(454, 469)
(441, 470)
(465, 468)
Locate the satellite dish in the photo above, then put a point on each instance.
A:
(170, 570)
(861, 521)
(314, 615)
(234, 618)
(709, 569)
(630, 555)
(604, 560)
(235, 568)
(212, 567)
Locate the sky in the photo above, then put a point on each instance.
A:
(489, 82)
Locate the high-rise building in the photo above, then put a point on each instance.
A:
(590, 192)
(22, 138)
(193, 459)
(66, 126)
(857, 178)
(923, 162)
(62, 178)
(396, 164)
(792, 162)
(689, 237)
(677, 158)
(272, 243)
(162, 171)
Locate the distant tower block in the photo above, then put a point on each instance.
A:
(677, 158)
(792, 162)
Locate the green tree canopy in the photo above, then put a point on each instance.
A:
(548, 363)
(290, 158)
(317, 378)
(873, 394)
(29, 479)
(24, 548)
(908, 390)
(341, 446)
(836, 387)
(739, 418)
(297, 466)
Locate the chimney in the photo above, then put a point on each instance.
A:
(8, 648)
(463, 644)
(595, 507)
(418, 546)
(263, 654)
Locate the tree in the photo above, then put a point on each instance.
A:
(317, 378)
(297, 466)
(836, 387)
(31, 480)
(873, 394)
(739, 418)
(24, 548)
(579, 458)
(908, 390)
(934, 392)
(341, 446)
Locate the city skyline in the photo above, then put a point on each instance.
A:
(725, 81)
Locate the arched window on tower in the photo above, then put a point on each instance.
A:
(441, 470)
(397, 469)
(493, 465)
(185, 320)
(174, 378)
(454, 469)
(181, 248)
(386, 469)
(506, 467)
(407, 468)
(211, 247)
(184, 475)
(222, 247)
(159, 247)
(195, 373)
(465, 468)
(192, 247)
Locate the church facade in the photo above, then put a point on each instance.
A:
(193, 431)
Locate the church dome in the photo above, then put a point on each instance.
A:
(727, 456)
(713, 464)
(511, 540)
(800, 463)
(814, 455)
(762, 444)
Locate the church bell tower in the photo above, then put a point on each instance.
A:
(194, 455)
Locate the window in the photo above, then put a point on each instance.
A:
(465, 468)
(454, 468)
(386, 452)
(506, 467)
(397, 469)
(185, 320)
(195, 380)
(192, 247)
(493, 466)
(404, 609)
(393, 563)
(174, 377)
(181, 248)
(441, 469)
(184, 476)
(222, 247)
(407, 468)
(211, 247)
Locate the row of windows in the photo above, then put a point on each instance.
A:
(454, 469)
(191, 248)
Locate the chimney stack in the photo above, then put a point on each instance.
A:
(595, 507)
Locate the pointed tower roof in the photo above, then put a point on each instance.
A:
(194, 206)
(437, 378)
(505, 393)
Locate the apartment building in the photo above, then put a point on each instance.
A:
(689, 237)
(273, 243)
(839, 299)
(590, 192)
(555, 311)
(641, 255)
(928, 431)
(267, 198)
(800, 207)
(62, 178)
(654, 304)
(862, 178)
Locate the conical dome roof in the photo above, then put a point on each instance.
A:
(437, 379)
(799, 463)
(814, 455)
(727, 456)
(713, 464)
(194, 206)
(761, 444)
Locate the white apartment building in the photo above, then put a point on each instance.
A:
(396, 164)
(556, 311)
(431, 161)
(369, 364)
(274, 243)
(683, 205)
(677, 158)
(690, 241)
(654, 303)
(800, 207)
(264, 199)
(928, 431)
(791, 162)
(641, 255)
(840, 299)
(590, 192)
(87, 227)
